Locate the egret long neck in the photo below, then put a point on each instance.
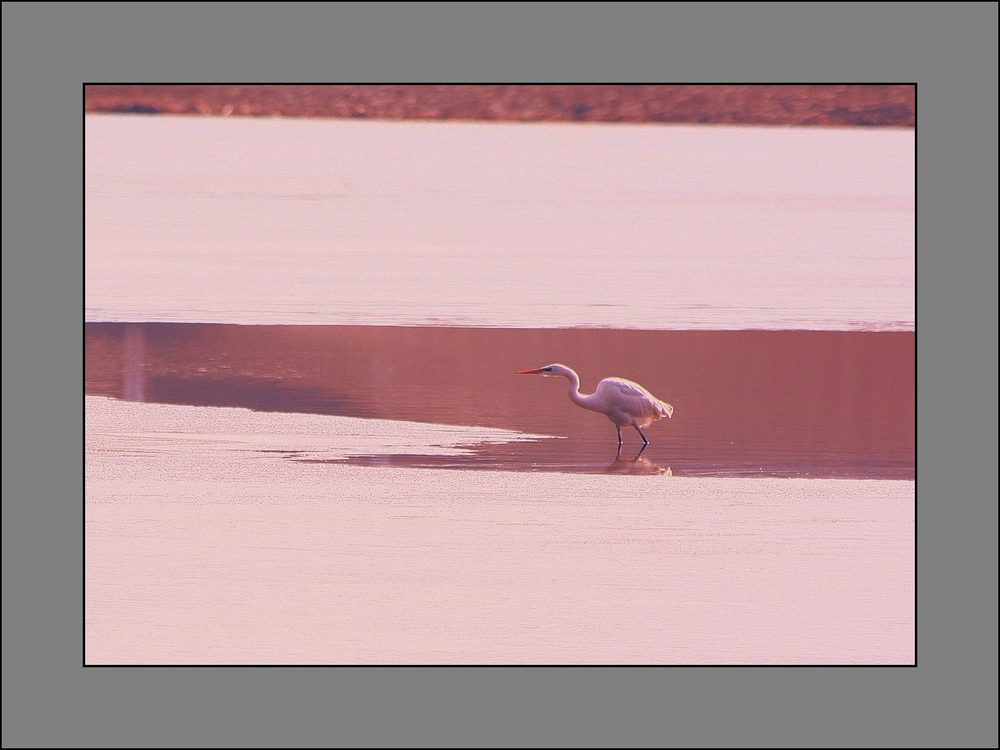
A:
(574, 391)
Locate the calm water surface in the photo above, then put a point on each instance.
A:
(747, 403)
(249, 220)
(296, 328)
(205, 544)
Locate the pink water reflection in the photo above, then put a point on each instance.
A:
(748, 403)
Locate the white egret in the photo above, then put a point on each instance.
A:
(622, 401)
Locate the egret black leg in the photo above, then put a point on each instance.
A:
(619, 436)
(644, 441)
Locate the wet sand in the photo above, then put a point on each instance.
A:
(207, 543)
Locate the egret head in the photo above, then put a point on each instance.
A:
(549, 371)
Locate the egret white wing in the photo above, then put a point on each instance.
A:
(631, 398)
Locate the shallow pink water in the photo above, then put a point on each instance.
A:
(220, 535)
(747, 403)
(206, 545)
(249, 220)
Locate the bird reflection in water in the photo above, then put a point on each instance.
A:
(640, 465)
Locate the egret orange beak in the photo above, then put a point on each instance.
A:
(529, 372)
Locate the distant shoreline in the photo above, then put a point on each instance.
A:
(819, 105)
